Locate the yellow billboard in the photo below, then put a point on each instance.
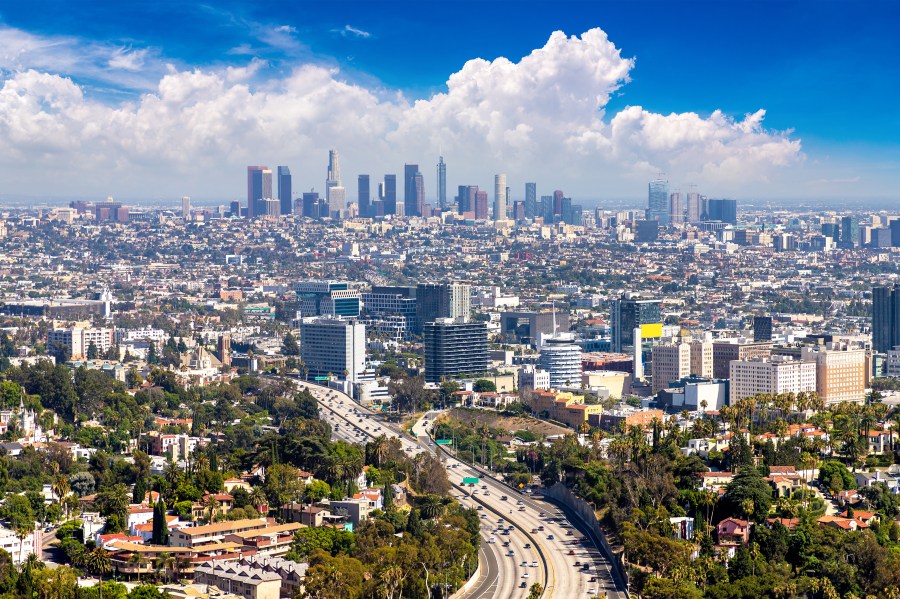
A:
(651, 331)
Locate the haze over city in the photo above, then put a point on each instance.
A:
(155, 101)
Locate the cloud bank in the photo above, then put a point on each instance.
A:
(541, 119)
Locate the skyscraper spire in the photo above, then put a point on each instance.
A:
(334, 173)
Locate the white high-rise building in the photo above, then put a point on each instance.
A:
(774, 375)
(561, 357)
(500, 197)
(334, 174)
(333, 346)
(186, 207)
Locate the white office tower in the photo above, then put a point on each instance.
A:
(334, 174)
(499, 197)
(333, 347)
(561, 357)
(186, 207)
(638, 355)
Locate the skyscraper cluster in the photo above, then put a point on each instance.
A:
(671, 209)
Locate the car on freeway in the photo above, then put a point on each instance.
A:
(527, 545)
(525, 575)
(534, 564)
(550, 538)
(524, 585)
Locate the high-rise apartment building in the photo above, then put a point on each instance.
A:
(694, 209)
(390, 194)
(442, 183)
(454, 349)
(500, 197)
(481, 205)
(333, 347)
(658, 201)
(840, 372)
(775, 375)
(259, 188)
(284, 190)
(676, 209)
(531, 205)
(442, 300)
(333, 177)
(78, 340)
(633, 311)
(727, 350)
(186, 207)
(681, 357)
(363, 196)
(885, 318)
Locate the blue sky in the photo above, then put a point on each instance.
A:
(826, 73)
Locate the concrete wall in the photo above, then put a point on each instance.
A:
(560, 493)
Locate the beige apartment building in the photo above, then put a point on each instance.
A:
(840, 372)
(778, 374)
(680, 357)
(726, 351)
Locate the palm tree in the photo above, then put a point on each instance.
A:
(99, 562)
(431, 506)
(61, 490)
(165, 562)
(212, 504)
(173, 474)
(258, 498)
(22, 533)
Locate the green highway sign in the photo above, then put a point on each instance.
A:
(322, 378)
(470, 480)
(444, 441)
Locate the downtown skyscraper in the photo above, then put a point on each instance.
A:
(259, 189)
(500, 199)
(284, 190)
(885, 318)
(333, 178)
(442, 183)
(413, 190)
(363, 196)
(658, 201)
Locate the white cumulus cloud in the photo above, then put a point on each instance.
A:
(542, 119)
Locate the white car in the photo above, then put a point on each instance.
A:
(525, 575)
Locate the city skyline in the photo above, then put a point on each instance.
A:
(579, 107)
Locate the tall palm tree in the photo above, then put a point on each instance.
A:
(431, 506)
(99, 562)
(61, 489)
(258, 498)
(22, 533)
(165, 562)
(138, 560)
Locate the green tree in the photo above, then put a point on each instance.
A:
(160, 527)
(748, 489)
(484, 386)
(289, 345)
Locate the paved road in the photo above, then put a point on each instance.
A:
(548, 556)
(501, 574)
(576, 567)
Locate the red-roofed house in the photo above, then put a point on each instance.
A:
(733, 531)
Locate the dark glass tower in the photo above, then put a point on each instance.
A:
(363, 196)
(284, 190)
(390, 194)
(885, 318)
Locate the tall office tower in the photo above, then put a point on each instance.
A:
(632, 311)
(832, 230)
(363, 198)
(500, 197)
(762, 328)
(722, 210)
(337, 201)
(693, 208)
(259, 187)
(885, 318)
(468, 195)
(531, 200)
(328, 298)
(390, 194)
(419, 191)
(895, 232)
(186, 207)
(236, 208)
(558, 196)
(658, 201)
(442, 183)
(850, 231)
(676, 210)
(442, 300)
(284, 190)
(333, 347)
(454, 349)
(481, 205)
(410, 199)
(545, 210)
(334, 173)
(311, 204)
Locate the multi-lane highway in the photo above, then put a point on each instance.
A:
(527, 539)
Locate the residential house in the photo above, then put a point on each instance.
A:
(733, 531)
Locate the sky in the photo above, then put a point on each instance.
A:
(145, 101)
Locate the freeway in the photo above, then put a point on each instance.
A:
(511, 559)
(576, 567)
